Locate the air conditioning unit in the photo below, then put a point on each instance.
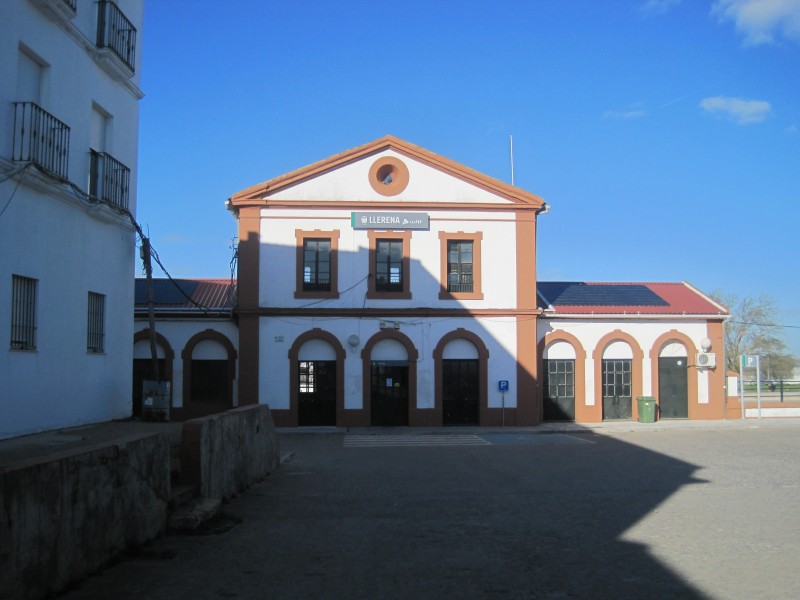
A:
(706, 360)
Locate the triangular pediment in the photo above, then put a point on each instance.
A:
(390, 171)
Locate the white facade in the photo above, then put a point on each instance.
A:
(645, 333)
(178, 333)
(507, 350)
(383, 341)
(66, 209)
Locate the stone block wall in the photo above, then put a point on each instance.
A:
(65, 516)
(223, 454)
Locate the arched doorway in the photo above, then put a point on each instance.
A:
(461, 383)
(390, 365)
(673, 381)
(316, 383)
(558, 374)
(617, 381)
(142, 365)
(209, 370)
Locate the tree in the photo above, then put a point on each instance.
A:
(752, 330)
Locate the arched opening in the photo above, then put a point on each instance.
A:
(558, 382)
(673, 381)
(460, 367)
(617, 381)
(142, 365)
(209, 370)
(390, 374)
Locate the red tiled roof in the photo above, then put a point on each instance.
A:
(670, 299)
(192, 294)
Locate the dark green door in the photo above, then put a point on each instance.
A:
(673, 388)
(389, 393)
(559, 390)
(317, 392)
(617, 402)
(460, 388)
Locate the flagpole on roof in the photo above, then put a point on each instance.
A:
(511, 149)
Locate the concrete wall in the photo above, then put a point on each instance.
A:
(64, 516)
(225, 453)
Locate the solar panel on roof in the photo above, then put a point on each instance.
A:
(582, 294)
(165, 291)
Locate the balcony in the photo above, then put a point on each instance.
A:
(61, 11)
(116, 32)
(40, 138)
(109, 179)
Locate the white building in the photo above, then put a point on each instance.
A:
(388, 285)
(69, 106)
(196, 341)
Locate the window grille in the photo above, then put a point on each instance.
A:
(23, 313)
(95, 336)
(306, 373)
(459, 266)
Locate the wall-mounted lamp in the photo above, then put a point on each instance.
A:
(705, 344)
(353, 340)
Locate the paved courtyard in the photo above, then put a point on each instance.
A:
(471, 513)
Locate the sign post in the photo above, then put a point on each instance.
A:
(502, 385)
(749, 362)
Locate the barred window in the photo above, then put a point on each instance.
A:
(23, 312)
(95, 331)
(459, 266)
(306, 373)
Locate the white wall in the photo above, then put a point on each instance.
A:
(351, 182)
(278, 259)
(278, 335)
(178, 333)
(49, 234)
(646, 332)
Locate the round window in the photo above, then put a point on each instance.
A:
(388, 176)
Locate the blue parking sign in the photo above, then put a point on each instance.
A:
(503, 385)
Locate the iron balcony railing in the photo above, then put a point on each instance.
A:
(116, 32)
(73, 4)
(109, 179)
(40, 138)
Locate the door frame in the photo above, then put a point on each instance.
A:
(685, 370)
(437, 415)
(366, 374)
(545, 383)
(292, 418)
(636, 369)
(675, 336)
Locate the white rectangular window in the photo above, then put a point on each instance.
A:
(30, 73)
(99, 126)
(95, 337)
(23, 313)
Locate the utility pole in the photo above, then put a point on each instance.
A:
(148, 269)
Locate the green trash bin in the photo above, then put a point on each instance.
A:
(647, 409)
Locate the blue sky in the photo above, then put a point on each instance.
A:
(665, 134)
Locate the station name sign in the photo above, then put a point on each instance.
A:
(389, 220)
